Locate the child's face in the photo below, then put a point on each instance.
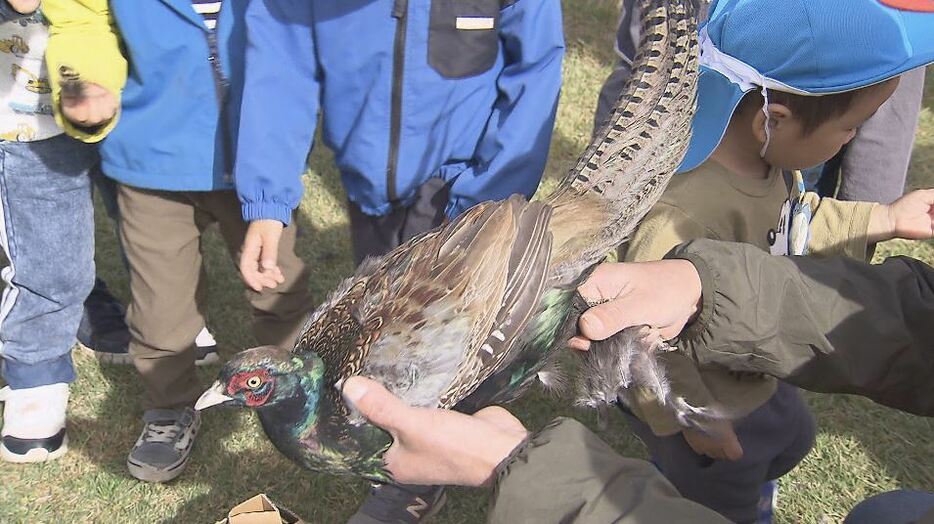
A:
(791, 148)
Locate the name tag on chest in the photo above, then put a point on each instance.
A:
(474, 23)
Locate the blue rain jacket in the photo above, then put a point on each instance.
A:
(179, 107)
(465, 90)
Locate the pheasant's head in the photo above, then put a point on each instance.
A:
(263, 377)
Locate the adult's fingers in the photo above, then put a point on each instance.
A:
(376, 403)
(501, 418)
(606, 282)
(605, 320)
(579, 344)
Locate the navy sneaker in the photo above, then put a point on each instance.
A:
(103, 330)
(399, 504)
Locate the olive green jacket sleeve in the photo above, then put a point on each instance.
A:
(830, 325)
(83, 44)
(567, 474)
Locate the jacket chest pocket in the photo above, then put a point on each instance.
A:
(463, 37)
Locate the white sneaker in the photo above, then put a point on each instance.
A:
(34, 423)
(206, 348)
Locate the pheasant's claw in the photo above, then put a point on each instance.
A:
(603, 418)
(703, 419)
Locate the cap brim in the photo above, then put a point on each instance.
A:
(717, 98)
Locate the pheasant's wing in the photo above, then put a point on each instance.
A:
(495, 347)
(443, 317)
(417, 287)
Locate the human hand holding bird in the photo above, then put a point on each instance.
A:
(665, 295)
(437, 446)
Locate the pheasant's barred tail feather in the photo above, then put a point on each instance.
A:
(625, 170)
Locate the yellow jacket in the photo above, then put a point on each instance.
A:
(83, 44)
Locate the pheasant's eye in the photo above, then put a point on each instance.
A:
(254, 382)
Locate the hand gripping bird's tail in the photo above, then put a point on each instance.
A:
(633, 156)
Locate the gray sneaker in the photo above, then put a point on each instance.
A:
(162, 450)
(399, 504)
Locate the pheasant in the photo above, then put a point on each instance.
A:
(470, 314)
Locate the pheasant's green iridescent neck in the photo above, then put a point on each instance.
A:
(310, 382)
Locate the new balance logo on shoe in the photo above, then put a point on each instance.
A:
(416, 509)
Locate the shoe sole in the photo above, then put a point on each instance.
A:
(33, 455)
(116, 359)
(148, 473)
(124, 359)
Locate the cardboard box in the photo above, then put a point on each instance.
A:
(260, 510)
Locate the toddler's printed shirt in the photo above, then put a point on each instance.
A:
(792, 232)
(25, 99)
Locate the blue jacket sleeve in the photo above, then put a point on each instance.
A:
(512, 152)
(279, 110)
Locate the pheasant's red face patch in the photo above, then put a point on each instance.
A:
(256, 386)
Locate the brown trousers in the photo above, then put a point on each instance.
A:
(161, 232)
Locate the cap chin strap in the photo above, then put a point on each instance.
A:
(743, 75)
(768, 120)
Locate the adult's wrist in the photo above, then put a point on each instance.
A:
(702, 290)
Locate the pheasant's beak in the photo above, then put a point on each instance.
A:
(212, 397)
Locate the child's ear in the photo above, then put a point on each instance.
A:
(779, 116)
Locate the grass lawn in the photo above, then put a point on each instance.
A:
(862, 449)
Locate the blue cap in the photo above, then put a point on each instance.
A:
(800, 46)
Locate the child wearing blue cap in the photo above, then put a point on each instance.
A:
(784, 85)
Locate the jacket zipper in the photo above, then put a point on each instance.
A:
(220, 81)
(399, 12)
(220, 88)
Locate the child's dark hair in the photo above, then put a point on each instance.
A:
(812, 111)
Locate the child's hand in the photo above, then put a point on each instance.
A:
(910, 217)
(721, 444)
(24, 7)
(259, 255)
(88, 105)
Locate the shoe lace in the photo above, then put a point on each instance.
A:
(161, 432)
